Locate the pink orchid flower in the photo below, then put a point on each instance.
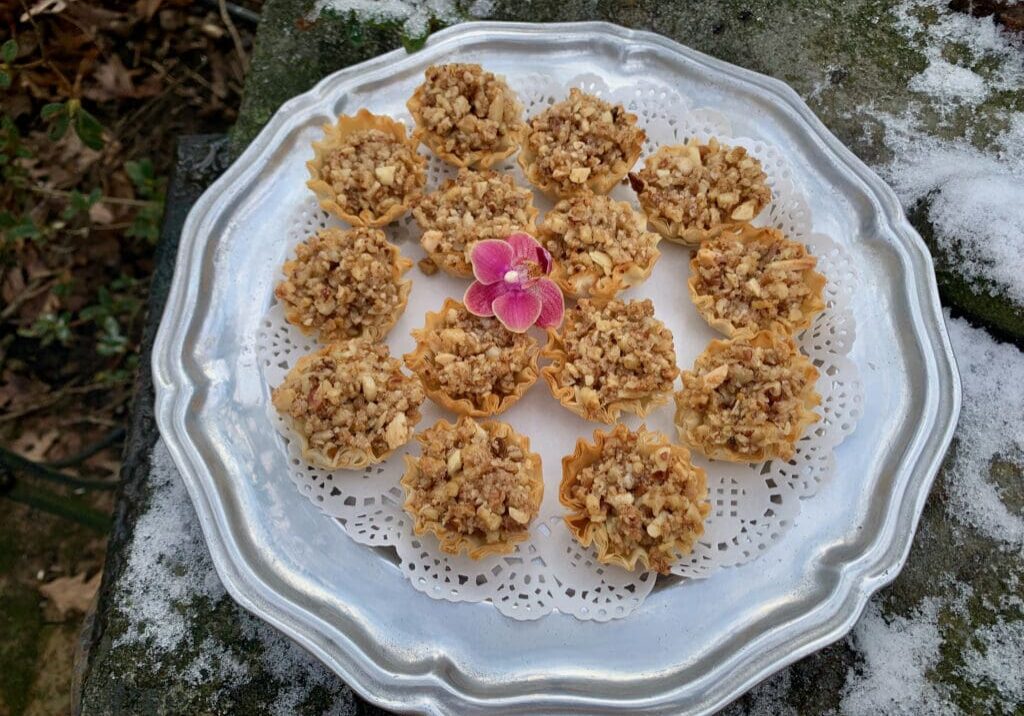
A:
(512, 285)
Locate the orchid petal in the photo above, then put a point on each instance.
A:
(517, 310)
(552, 303)
(479, 297)
(544, 260)
(491, 259)
(523, 246)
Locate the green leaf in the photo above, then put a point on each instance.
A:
(111, 342)
(142, 175)
(5, 79)
(88, 129)
(59, 127)
(414, 43)
(9, 51)
(25, 229)
(51, 109)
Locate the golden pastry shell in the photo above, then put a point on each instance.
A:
(335, 136)
(578, 521)
(492, 403)
(474, 546)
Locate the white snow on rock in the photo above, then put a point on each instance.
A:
(981, 37)
(976, 197)
(415, 15)
(898, 653)
(168, 568)
(991, 425)
(1000, 659)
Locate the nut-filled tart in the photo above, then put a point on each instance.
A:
(609, 357)
(600, 246)
(635, 496)
(692, 192)
(471, 364)
(475, 486)
(749, 279)
(345, 283)
(581, 144)
(748, 399)
(467, 116)
(472, 206)
(366, 170)
(350, 404)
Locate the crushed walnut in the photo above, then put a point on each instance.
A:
(350, 402)
(580, 144)
(748, 398)
(465, 358)
(637, 496)
(466, 115)
(756, 279)
(345, 284)
(373, 172)
(474, 206)
(600, 245)
(690, 190)
(474, 485)
(611, 357)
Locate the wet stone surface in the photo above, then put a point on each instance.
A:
(930, 97)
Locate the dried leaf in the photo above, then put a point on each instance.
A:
(113, 81)
(34, 446)
(71, 594)
(100, 213)
(146, 9)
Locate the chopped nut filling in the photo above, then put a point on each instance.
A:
(372, 173)
(747, 399)
(610, 358)
(601, 246)
(476, 486)
(690, 191)
(471, 207)
(470, 364)
(469, 117)
(345, 284)
(350, 403)
(636, 496)
(580, 144)
(756, 279)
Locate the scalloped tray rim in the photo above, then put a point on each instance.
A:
(433, 689)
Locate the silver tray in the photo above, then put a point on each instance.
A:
(692, 646)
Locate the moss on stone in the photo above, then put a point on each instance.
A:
(21, 622)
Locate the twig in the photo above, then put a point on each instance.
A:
(242, 13)
(54, 504)
(235, 37)
(61, 194)
(54, 397)
(28, 294)
(16, 462)
(102, 444)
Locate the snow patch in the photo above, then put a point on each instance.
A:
(975, 198)
(949, 81)
(982, 40)
(1000, 659)
(898, 652)
(414, 15)
(990, 427)
(168, 567)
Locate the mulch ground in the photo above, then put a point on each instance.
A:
(93, 95)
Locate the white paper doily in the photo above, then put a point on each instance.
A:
(752, 505)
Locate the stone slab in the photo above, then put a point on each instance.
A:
(946, 637)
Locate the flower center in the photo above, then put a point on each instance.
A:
(511, 276)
